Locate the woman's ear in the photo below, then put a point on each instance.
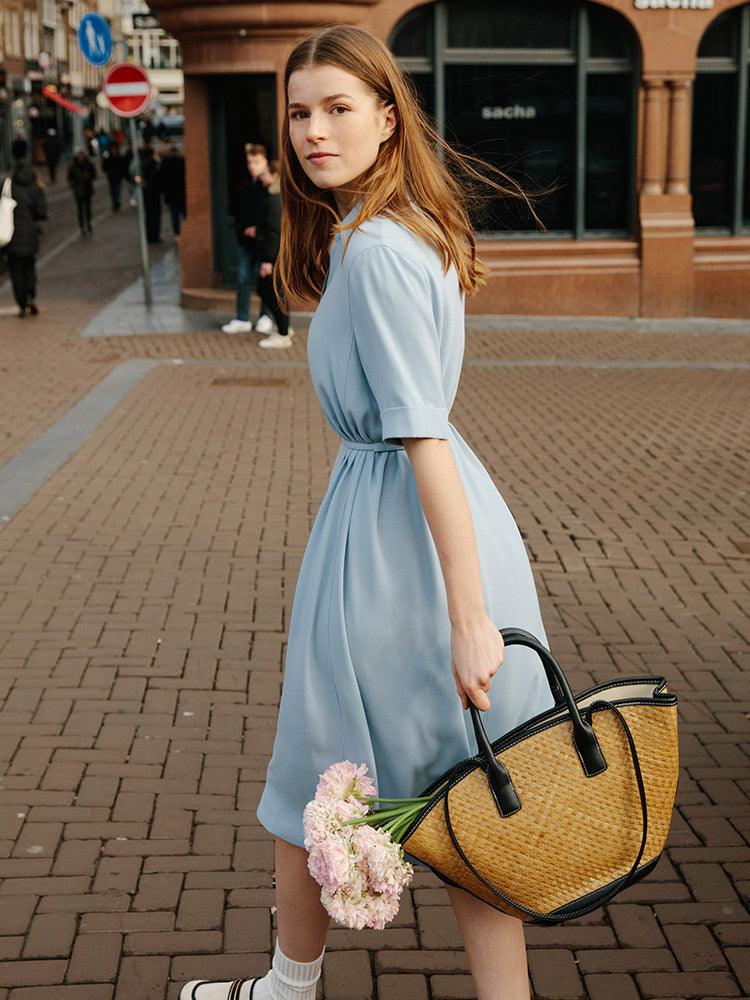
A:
(390, 122)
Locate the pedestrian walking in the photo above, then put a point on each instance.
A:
(129, 174)
(19, 148)
(269, 235)
(149, 173)
(414, 561)
(248, 212)
(172, 180)
(52, 152)
(30, 210)
(114, 166)
(81, 174)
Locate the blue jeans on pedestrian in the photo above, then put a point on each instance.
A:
(248, 266)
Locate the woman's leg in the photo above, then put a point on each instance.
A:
(18, 284)
(495, 947)
(30, 274)
(302, 920)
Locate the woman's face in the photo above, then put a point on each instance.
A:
(332, 111)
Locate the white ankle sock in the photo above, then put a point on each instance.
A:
(285, 980)
(290, 980)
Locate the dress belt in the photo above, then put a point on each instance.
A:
(369, 445)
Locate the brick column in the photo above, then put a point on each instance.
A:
(195, 234)
(665, 203)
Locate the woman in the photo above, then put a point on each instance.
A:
(31, 208)
(269, 234)
(414, 561)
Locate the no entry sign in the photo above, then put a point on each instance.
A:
(128, 89)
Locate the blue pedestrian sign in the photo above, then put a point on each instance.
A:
(95, 39)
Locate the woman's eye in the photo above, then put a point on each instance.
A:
(338, 107)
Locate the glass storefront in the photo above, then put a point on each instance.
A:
(545, 91)
(720, 160)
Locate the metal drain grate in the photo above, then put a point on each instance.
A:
(251, 381)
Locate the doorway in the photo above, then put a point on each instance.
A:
(242, 108)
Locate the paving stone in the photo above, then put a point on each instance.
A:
(50, 936)
(95, 958)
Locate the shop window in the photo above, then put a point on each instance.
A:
(542, 90)
(720, 159)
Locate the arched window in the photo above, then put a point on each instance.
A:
(720, 167)
(543, 89)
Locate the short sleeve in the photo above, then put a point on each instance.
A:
(397, 340)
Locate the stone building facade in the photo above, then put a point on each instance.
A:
(637, 110)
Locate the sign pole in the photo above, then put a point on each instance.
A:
(145, 270)
(127, 89)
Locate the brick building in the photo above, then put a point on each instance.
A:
(637, 109)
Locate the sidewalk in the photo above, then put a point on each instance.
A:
(146, 577)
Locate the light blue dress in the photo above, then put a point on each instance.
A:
(367, 675)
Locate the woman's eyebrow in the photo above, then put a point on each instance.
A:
(333, 97)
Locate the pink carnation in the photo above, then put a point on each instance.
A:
(331, 863)
(344, 779)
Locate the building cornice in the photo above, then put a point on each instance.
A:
(236, 18)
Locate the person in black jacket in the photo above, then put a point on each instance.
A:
(31, 208)
(269, 236)
(172, 180)
(52, 152)
(81, 174)
(248, 212)
(149, 172)
(114, 166)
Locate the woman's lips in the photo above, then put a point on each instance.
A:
(319, 157)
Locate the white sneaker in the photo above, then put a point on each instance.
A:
(264, 324)
(276, 340)
(238, 326)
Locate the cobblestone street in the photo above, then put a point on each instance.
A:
(146, 582)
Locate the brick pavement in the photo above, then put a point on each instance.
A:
(145, 591)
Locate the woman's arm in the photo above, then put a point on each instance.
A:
(477, 648)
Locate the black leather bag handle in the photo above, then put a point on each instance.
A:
(584, 738)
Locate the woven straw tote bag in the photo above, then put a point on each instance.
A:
(562, 813)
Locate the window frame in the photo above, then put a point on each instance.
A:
(441, 55)
(739, 65)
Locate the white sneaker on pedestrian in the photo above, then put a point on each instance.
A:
(238, 326)
(264, 324)
(276, 340)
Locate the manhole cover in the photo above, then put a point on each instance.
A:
(250, 381)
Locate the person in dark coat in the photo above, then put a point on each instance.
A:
(172, 180)
(31, 208)
(52, 152)
(115, 167)
(248, 211)
(151, 193)
(81, 174)
(269, 237)
(19, 148)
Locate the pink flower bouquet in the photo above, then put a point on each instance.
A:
(353, 852)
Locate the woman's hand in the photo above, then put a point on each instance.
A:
(477, 652)
(266, 268)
